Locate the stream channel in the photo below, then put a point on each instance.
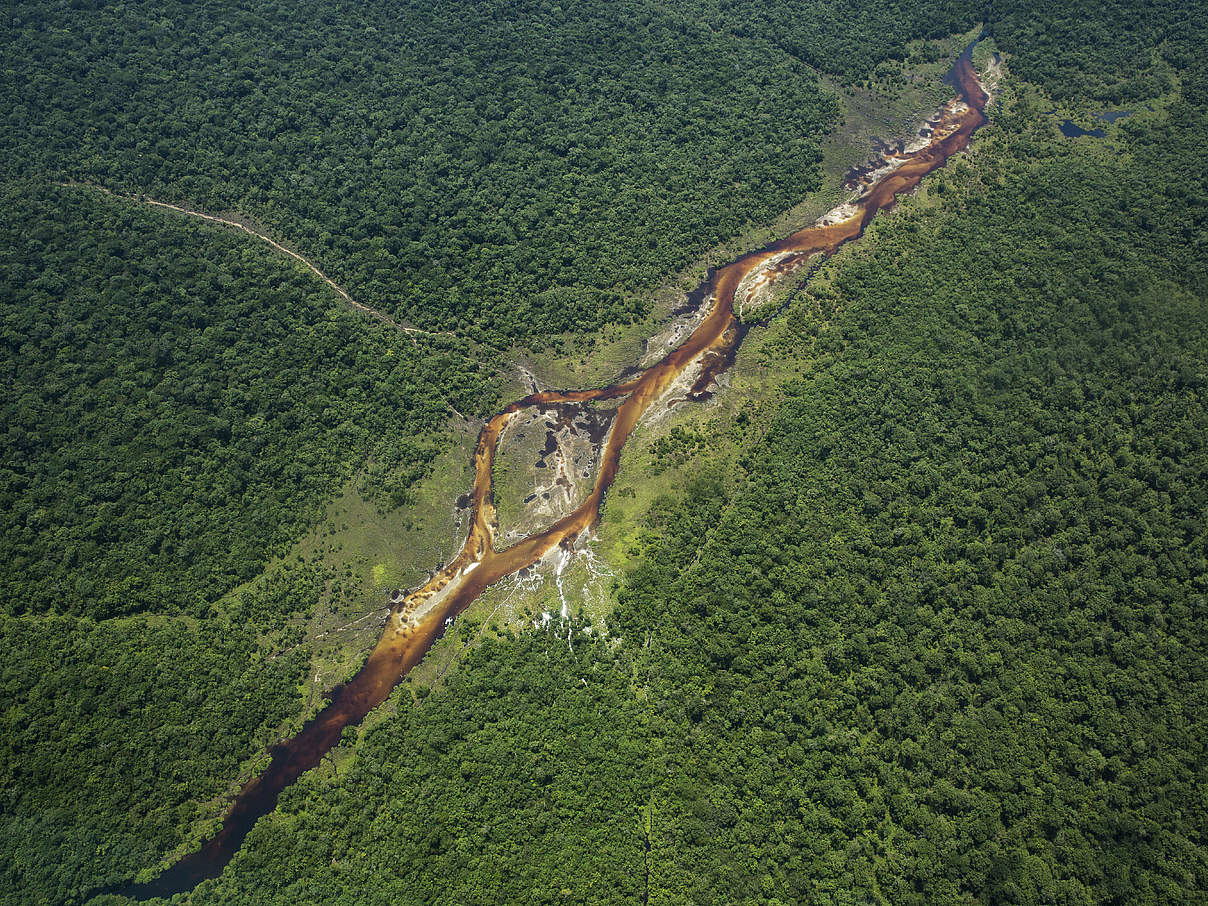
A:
(420, 619)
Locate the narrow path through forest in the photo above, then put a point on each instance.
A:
(411, 332)
(310, 265)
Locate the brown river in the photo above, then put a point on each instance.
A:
(420, 619)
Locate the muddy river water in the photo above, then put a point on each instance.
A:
(421, 617)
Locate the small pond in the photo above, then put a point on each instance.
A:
(1070, 130)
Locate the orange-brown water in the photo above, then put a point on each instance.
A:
(421, 618)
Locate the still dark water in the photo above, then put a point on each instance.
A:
(1070, 130)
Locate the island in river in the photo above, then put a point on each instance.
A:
(422, 616)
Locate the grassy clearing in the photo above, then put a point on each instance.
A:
(650, 464)
(513, 480)
(375, 552)
(362, 554)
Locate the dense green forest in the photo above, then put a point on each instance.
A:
(502, 169)
(180, 402)
(1109, 51)
(179, 405)
(115, 733)
(942, 641)
(847, 39)
(941, 637)
(176, 409)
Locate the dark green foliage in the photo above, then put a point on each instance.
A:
(942, 646)
(179, 401)
(116, 735)
(680, 445)
(506, 170)
(847, 38)
(521, 782)
(1110, 51)
(943, 641)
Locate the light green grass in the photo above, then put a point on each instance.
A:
(376, 552)
(365, 554)
(741, 409)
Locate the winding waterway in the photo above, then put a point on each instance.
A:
(420, 619)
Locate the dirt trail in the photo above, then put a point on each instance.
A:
(411, 332)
